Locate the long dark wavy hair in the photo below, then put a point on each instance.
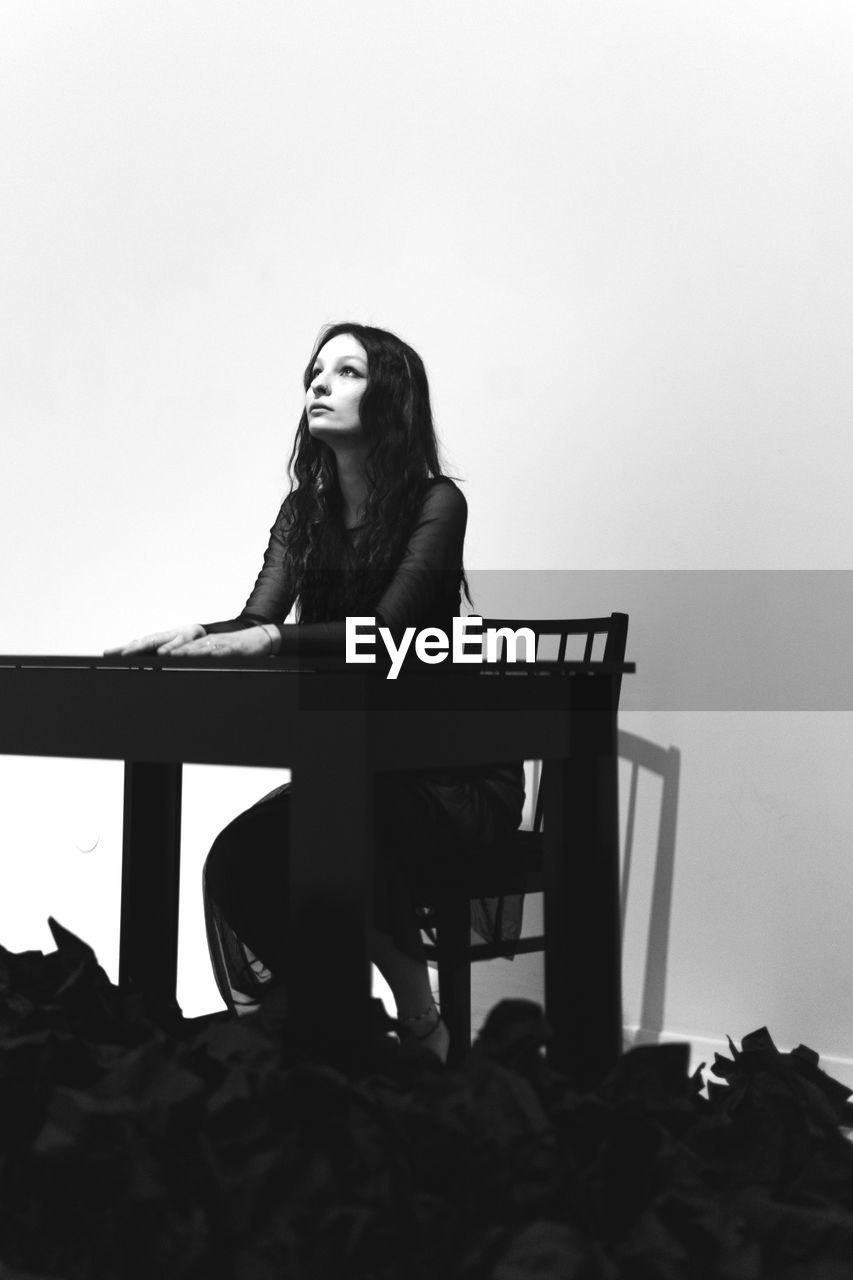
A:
(402, 458)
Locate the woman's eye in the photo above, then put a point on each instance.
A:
(347, 368)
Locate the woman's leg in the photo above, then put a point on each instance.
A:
(409, 833)
(419, 824)
(408, 979)
(245, 902)
(426, 825)
(407, 976)
(245, 895)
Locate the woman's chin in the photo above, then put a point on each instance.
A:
(332, 433)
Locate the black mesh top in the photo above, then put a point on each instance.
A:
(424, 590)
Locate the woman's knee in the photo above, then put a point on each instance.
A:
(250, 854)
(221, 871)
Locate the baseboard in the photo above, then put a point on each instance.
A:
(703, 1049)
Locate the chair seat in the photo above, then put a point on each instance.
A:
(516, 868)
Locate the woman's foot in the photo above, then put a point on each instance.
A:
(427, 1030)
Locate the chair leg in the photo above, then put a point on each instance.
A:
(453, 930)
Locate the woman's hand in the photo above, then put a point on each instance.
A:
(254, 642)
(161, 641)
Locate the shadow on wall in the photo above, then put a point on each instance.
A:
(665, 762)
(649, 789)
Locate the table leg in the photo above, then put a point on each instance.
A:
(331, 901)
(150, 879)
(583, 986)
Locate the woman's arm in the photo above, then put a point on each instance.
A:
(251, 632)
(430, 571)
(428, 574)
(271, 598)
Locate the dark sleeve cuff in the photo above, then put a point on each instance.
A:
(231, 624)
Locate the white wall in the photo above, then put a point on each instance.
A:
(618, 233)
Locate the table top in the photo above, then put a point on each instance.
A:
(159, 662)
(269, 712)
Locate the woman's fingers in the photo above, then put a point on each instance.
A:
(143, 644)
(171, 645)
(168, 641)
(186, 642)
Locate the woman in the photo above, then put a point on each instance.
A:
(371, 527)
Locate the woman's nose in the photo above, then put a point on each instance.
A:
(319, 387)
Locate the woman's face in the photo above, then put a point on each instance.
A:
(334, 393)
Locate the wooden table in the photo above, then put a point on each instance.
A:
(335, 727)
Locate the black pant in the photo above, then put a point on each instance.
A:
(424, 824)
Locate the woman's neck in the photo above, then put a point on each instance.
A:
(352, 482)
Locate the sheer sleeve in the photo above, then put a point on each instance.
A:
(271, 598)
(423, 589)
(428, 575)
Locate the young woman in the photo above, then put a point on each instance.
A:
(371, 527)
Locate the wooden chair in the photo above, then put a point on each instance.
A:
(446, 920)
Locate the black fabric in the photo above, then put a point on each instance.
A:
(424, 825)
(423, 591)
(425, 820)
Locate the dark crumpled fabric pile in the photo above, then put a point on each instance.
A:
(132, 1146)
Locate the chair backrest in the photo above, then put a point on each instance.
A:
(614, 629)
